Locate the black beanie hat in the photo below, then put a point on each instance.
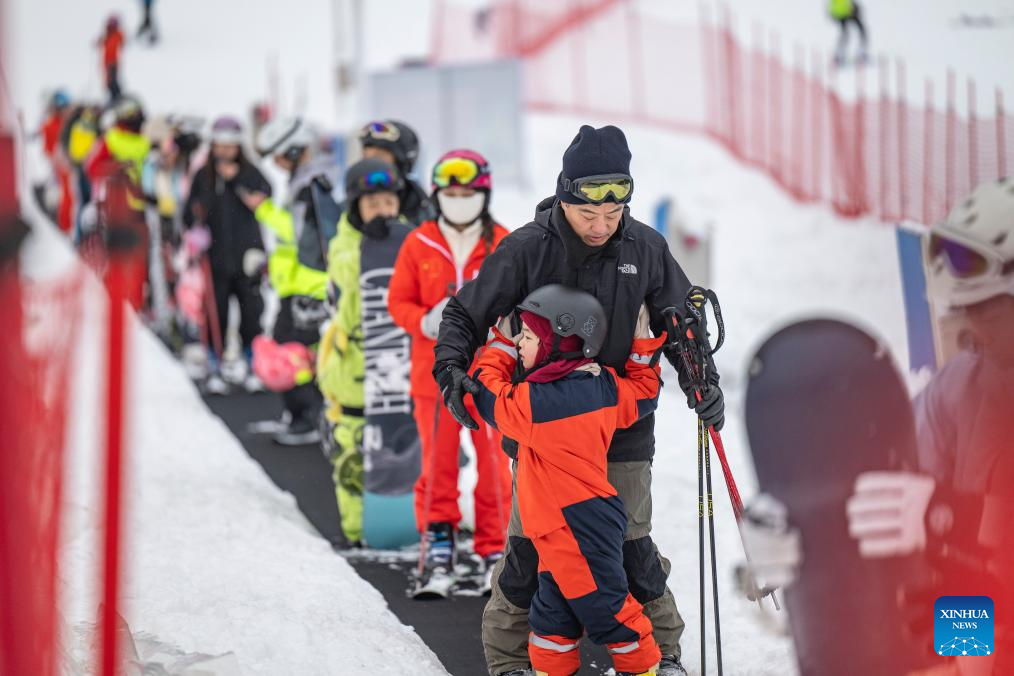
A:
(591, 153)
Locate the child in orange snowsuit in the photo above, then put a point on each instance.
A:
(563, 414)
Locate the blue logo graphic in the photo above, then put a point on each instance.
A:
(963, 626)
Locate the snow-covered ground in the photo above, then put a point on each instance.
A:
(219, 559)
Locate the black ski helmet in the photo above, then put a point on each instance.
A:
(395, 137)
(370, 176)
(571, 312)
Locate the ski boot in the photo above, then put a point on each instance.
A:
(300, 432)
(670, 666)
(488, 562)
(438, 576)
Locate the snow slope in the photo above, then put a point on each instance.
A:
(218, 559)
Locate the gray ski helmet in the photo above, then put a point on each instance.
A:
(369, 176)
(396, 137)
(571, 312)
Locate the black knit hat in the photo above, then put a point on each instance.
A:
(591, 153)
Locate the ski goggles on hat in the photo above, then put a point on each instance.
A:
(379, 180)
(598, 189)
(457, 171)
(379, 131)
(966, 259)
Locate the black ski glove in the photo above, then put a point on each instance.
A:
(453, 382)
(711, 407)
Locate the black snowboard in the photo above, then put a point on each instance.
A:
(825, 403)
(391, 450)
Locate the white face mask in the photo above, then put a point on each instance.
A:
(461, 210)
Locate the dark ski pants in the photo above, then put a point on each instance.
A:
(113, 82)
(505, 625)
(583, 588)
(856, 20)
(247, 292)
(302, 401)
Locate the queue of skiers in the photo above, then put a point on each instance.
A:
(218, 235)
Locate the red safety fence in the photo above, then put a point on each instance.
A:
(39, 323)
(852, 139)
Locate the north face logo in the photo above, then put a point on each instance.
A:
(628, 269)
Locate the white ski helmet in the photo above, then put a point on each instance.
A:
(970, 256)
(288, 137)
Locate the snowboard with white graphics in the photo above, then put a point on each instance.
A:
(390, 443)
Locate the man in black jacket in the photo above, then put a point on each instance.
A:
(584, 237)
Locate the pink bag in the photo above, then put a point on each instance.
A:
(281, 367)
(191, 288)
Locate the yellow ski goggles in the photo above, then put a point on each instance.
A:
(456, 171)
(601, 188)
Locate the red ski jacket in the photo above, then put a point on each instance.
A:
(563, 427)
(425, 274)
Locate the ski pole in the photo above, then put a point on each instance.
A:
(685, 341)
(711, 540)
(700, 536)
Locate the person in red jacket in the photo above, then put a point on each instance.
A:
(563, 409)
(51, 130)
(111, 43)
(435, 261)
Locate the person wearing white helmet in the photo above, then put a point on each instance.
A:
(215, 203)
(293, 146)
(957, 508)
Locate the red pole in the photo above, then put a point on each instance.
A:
(819, 103)
(727, 102)
(927, 148)
(798, 120)
(860, 175)
(902, 92)
(737, 120)
(1001, 138)
(973, 138)
(882, 121)
(775, 141)
(125, 240)
(117, 342)
(950, 134)
(760, 104)
(707, 31)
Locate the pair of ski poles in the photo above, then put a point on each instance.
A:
(688, 336)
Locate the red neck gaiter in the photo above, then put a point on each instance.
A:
(557, 369)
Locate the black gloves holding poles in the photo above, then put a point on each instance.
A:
(711, 407)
